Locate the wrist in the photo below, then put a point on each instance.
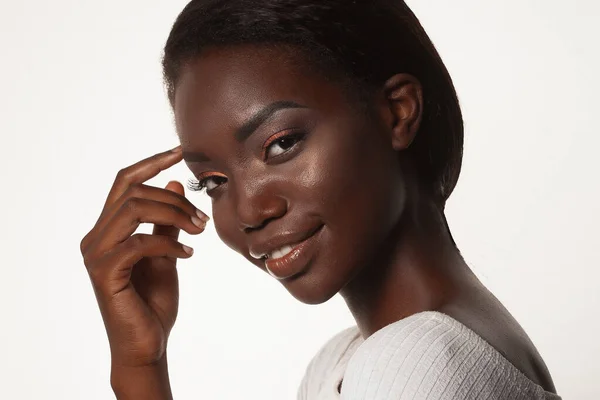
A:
(148, 382)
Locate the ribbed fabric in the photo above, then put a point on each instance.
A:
(428, 355)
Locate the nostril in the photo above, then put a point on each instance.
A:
(257, 207)
(249, 229)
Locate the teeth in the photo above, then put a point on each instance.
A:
(285, 250)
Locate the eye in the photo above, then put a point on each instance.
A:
(209, 183)
(281, 143)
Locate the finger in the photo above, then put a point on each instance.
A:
(140, 172)
(112, 272)
(136, 211)
(161, 274)
(140, 190)
(170, 230)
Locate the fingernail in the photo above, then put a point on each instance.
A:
(176, 149)
(198, 222)
(188, 250)
(202, 216)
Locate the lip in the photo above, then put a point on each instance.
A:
(296, 260)
(260, 250)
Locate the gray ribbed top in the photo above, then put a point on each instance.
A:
(428, 355)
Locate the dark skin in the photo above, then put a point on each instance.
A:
(341, 175)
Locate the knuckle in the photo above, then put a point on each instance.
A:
(135, 190)
(87, 253)
(175, 209)
(87, 240)
(165, 242)
(133, 204)
(83, 245)
(168, 241)
(123, 174)
(136, 241)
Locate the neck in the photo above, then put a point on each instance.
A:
(418, 268)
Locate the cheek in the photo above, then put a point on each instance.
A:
(227, 230)
(356, 174)
(361, 194)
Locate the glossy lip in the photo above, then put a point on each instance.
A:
(261, 250)
(295, 261)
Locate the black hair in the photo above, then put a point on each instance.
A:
(367, 41)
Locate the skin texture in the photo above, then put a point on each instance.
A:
(381, 242)
(301, 190)
(134, 276)
(384, 244)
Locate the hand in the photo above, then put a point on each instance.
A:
(134, 276)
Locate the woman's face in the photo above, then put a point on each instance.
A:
(288, 158)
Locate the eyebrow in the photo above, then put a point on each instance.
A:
(248, 127)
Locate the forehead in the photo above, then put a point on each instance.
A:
(225, 86)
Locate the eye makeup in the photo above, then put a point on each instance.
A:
(287, 140)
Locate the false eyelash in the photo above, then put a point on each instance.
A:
(196, 185)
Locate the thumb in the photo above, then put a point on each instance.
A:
(175, 186)
(170, 230)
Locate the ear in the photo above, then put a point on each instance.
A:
(403, 108)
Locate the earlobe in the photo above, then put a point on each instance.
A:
(404, 95)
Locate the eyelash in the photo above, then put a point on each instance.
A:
(198, 185)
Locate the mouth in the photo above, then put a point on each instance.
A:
(281, 252)
(292, 259)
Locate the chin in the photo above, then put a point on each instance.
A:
(316, 285)
(307, 291)
(324, 272)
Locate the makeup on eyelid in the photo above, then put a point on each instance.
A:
(199, 184)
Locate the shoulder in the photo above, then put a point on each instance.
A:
(431, 355)
(328, 364)
(336, 350)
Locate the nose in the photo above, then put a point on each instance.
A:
(257, 205)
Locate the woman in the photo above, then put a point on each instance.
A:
(329, 136)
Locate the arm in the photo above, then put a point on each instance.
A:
(150, 382)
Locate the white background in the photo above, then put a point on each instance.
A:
(81, 97)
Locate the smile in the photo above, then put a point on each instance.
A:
(292, 259)
(285, 250)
